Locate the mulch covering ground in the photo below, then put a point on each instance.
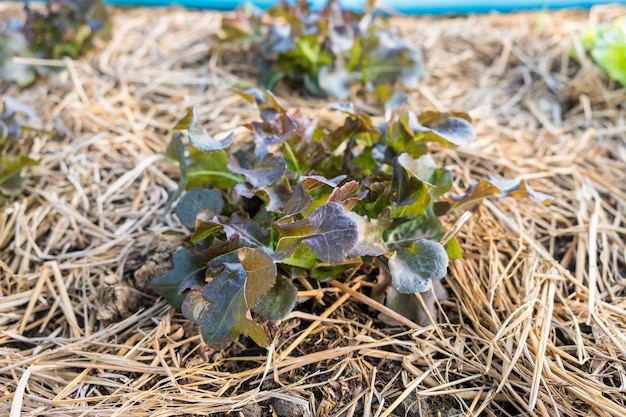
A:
(535, 321)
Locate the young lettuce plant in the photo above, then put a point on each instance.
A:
(607, 46)
(326, 51)
(300, 199)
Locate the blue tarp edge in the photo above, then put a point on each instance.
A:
(401, 6)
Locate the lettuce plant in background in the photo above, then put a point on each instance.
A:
(12, 127)
(607, 46)
(325, 52)
(66, 28)
(14, 44)
(298, 198)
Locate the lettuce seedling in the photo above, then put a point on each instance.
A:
(325, 52)
(12, 127)
(300, 198)
(607, 46)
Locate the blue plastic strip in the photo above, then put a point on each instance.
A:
(401, 6)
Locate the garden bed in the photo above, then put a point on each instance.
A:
(536, 318)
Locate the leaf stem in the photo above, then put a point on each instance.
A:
(236, 178)
(293, 158)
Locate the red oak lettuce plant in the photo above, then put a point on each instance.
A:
(305, 199)
(325, 51)
(66, 28)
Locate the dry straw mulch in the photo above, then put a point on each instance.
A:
(535, 322)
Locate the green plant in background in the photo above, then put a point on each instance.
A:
(12, 127)
(65, 28)
(303, 199)
(607, 46)
(326, 51)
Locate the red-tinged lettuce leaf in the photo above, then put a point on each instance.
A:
(258, 172)
(217, 328)
(261, 272)
(357, 126)
(328, 231)
(279, 301)
(343, 192)
(195, 201)
(250, 232)
(347, 195)
(222, 306)
(413, 268)
(276, 128)
(298, 201)
(313, 182)
(198, 136)
(304, 151)
(477, 192)
(454, 129)
(185, 268)
(11, 181)
(217, 247)
(519, 189)
(494, 187)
